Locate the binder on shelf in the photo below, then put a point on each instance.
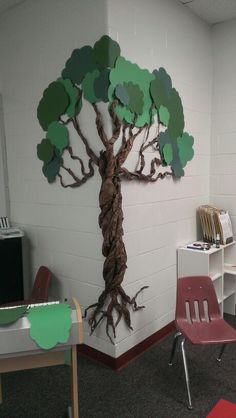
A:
(215, 221)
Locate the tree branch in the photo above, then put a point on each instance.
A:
(99, 124)
(137, 175)
(77, 181)
(127, 146)
(116, 123)
(89, 151)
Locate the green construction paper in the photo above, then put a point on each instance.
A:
(45, 151)
(68, 357)
(125, 72)
(52, 169)
(185, 144)
(50, 324)
(175, 162)
(176, 122)
(74, 106)
(168, 153)
(88, 86)
(106, 51)
(53, 104)
(58, 135)
(81, 62)
(122, 94)
(101, 85)
(9, 316)
(165, 85)
(164, 115)
(135, 98)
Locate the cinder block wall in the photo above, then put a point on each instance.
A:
(36, 38)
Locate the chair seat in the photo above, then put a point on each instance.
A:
(215, 332)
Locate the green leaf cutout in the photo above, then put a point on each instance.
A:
(75, 105)
(52, 169)
(101, 85)
(164, 115)
(58, 135)
(175, 108)
(127, 72)
(9, 316)
(50, 324)
(185, 145)
(53, 104)
(167, 143)
(168, 153)
(106, 52)
(122, 94)
(88, 86)
(45, 151)
(81, 62)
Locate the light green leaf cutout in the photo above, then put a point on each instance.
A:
(9, 316)
(168, 153)
(50, 324)
(127, 72)
(58, 135)
(164, 115)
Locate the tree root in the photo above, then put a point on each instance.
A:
(119, 301)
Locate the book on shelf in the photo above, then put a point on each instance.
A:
(215, 222)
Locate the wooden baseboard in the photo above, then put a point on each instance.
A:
(120, 362)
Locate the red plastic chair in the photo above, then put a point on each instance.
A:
(198, 319)
(40, 289)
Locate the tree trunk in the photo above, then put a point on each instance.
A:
(110, 222)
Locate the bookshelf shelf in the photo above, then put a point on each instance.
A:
(219, 264)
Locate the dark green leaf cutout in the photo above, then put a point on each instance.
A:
(164, 115)
(53, 104)
(101, 85)
(125, 72)
(81, 62)
(58, 135)
(9, 316)
(45, 151)
(135, 94)
(50, 324)
(176, 122)
(175, 163)
(74, 105)
(122, 94)
(185, 145)
(106, 51)
(165, 84)
(52, 169)
(88, 86)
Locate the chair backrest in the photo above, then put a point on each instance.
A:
(41, 285)
(196, 300)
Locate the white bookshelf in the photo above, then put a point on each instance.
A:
(219, 264)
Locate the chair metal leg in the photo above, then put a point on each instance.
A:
(177, 335)
(186, 374)
(221, 353)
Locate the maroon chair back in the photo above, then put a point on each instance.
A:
(196, 300)
(41, 285)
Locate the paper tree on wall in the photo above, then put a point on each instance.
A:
(136, 100)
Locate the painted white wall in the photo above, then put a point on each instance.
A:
(4, 196)
(223, 162)
(62, 224)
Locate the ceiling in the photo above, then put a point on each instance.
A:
(212, 11)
